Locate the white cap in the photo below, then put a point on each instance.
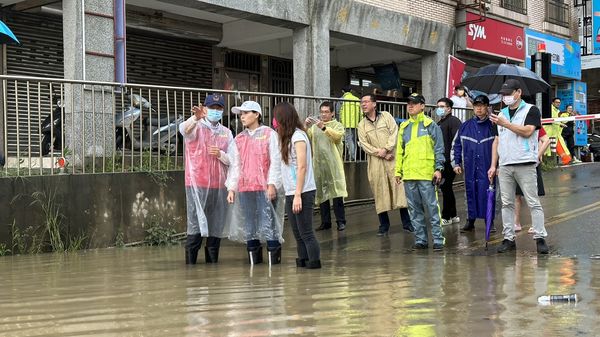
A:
(247, 106)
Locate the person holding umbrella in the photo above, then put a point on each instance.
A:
(518, 124)
(474, 144)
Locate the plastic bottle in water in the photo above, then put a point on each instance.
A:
(549, 299)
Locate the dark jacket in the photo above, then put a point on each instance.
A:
(449, 125)
(2, 162)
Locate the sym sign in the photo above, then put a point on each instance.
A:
(495, 38)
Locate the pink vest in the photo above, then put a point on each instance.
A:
(202, 169)
(255, 159)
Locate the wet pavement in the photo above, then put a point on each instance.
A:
(369, 286)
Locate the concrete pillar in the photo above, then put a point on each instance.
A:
(311, 60)
(88, 33)
(434, 68)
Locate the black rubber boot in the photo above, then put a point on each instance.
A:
(192, 246)
(316, 264)
(211, 249)
(274, 255)
(255, 255)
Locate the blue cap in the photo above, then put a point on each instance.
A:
(215, 99)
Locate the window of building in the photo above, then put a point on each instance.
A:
(558, 12)
(519, 6)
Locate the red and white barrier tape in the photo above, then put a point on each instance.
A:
(571, 118)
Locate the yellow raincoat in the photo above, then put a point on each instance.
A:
(328, 166)
(383, 133)
(555, 130)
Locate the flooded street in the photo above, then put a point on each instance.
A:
(369, 286)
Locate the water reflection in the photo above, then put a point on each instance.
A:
(381, 291)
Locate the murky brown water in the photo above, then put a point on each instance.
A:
(149, 292)
(369, 286)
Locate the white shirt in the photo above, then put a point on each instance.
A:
(289, 171)
(459, 102)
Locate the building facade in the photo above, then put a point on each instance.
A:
(305, 47)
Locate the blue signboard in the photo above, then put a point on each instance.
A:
(575, 93)
(580, 106)
(596, 26)
(566, 54)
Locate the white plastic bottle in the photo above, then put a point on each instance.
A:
(550, 299)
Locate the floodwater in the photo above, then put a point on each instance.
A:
(369, 286)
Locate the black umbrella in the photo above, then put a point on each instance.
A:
(490, 79)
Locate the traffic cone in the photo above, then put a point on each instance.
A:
(562, 151)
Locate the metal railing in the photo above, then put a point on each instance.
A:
(558, 12)
(53, 126)
(519, 6)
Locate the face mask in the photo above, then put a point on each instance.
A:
(508, 100)
(440, 112)
(275, 123)
(214, 115)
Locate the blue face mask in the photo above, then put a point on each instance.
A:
(440, 112)
(214, 115)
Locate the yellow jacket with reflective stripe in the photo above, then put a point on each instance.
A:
(350, 112)
(420, 149)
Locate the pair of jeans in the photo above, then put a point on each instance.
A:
(338, 209)
(384, 220)
(259, 217)
(524, 175)
(350, 144)
(301, 223)
(422, 197)
(449, 202)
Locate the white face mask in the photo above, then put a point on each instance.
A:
(508, 100)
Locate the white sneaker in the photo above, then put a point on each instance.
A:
(575, 160)
(455, 219)
(446, 222)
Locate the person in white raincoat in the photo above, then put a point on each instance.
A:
(253, 182)
(206, 163)
(326, 135)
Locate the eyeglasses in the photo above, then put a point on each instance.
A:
(441, 106)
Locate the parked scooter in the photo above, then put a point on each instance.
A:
(156, 134)
(52, 130)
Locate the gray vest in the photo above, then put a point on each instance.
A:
(512, 148)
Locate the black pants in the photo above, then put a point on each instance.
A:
(570, 142)
(301, 223)
(384, 220)
(449, 204)
(338, 209)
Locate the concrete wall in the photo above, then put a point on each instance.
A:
(103, 205)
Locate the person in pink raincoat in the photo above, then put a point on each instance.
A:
(206, 163)
(253, 182)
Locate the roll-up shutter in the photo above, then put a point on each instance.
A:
(163, 60)
(40, 54)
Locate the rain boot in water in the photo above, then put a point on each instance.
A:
(192, 246)
(255, 254)
(211, 249)
(274, 255)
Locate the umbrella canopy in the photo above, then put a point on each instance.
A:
(490, 212)
(6, 35)
(490, 78)
(494, 98)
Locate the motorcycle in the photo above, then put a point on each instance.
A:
(52, 130)
(156, 133)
